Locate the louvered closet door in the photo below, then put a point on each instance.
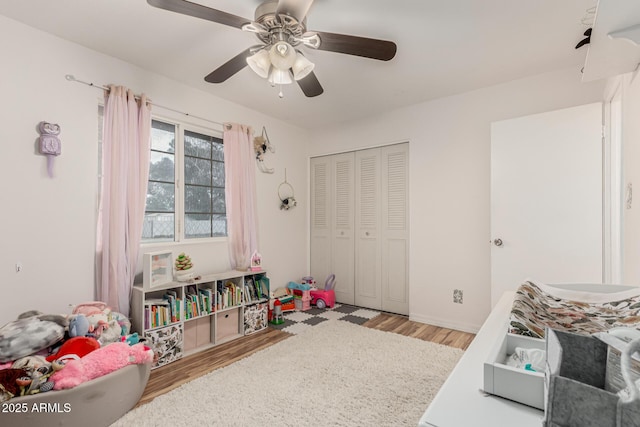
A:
(368, 289)
(394, 230)
(343, 227)
(321, 235)
(359, 226)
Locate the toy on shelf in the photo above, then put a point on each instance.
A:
(301, 295)
(256, 261)
(326, 297)
(183, 266)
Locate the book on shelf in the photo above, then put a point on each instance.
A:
(199, 301)
(263, 283)
(162, 311)
(175, 303)
(228, 295)
(156, 301)
(193, 302)
(205, 296)
(157, 315)
(250, 289)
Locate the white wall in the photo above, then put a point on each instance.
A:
(450, 184)
(48, 225)
(630, 86)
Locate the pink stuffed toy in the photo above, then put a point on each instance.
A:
(100, 362)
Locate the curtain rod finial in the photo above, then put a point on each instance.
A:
(70, 77)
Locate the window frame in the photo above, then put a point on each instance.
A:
(179, 185)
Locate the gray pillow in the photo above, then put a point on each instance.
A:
(29, 334)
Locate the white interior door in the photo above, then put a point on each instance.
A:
(546, 199)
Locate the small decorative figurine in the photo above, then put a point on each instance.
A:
(49, 144)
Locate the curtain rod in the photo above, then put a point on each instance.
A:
(71, 78)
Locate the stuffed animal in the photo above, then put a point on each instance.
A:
(100, 362)
(91, 307)
(8, 383)
(123, 322)
(80, 346)
(109, 333)
(104, 325)
(30, 363)
(30, 333)
(97, 324)
(36, 378)
(130, 339)
(79, 326)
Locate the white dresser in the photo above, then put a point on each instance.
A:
(461, 402)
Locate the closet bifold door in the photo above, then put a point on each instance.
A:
(342, 212)
(332, 236)
(395, 228)
(368, 285)
(360, 226)
(321, 234)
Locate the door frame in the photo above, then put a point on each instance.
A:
(613, 188)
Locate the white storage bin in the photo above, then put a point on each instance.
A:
(512, 383)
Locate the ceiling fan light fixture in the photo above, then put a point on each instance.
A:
(280, 77)
(302, 67)
(260, 63)
(282, 55)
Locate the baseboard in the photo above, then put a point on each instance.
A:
(464, 327)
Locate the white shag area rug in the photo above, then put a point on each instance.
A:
(335, 374)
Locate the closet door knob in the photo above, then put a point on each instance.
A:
(497, 242)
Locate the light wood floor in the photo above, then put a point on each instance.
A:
(168, 377)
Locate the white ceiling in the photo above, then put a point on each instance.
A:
(444, 47)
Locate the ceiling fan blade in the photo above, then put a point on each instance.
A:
(359, 46)
(229, 68)
(310, 85)
(199, 11)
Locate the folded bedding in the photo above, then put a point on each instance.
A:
(537, 306)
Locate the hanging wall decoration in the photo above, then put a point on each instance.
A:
(262, 144)
(285, 193)
(48, 143)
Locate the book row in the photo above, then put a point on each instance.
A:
(202, 301)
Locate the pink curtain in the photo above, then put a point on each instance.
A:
(125, 172)
(240, 194)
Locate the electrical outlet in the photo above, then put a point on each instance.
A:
(457, 296)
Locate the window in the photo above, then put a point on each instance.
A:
(192, 206)
(204, 203)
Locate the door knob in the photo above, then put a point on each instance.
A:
(497, 242)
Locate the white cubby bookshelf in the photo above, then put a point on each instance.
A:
(182, 318)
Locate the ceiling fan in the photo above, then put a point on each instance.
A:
(281, 27)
